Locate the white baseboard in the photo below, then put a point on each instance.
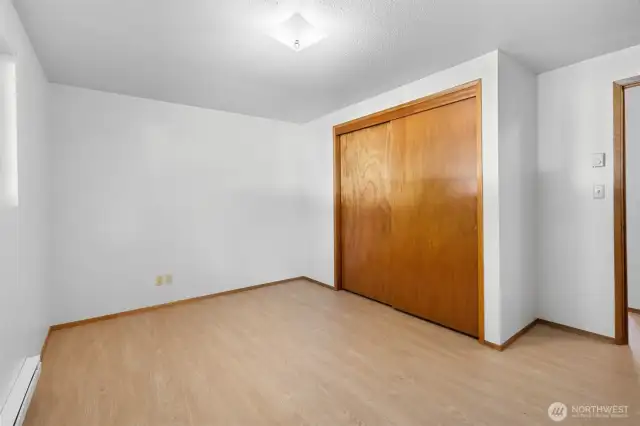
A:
(15, 409)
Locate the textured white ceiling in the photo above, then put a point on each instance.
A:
(215, 54)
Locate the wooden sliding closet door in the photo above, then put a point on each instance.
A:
(366, 220)
(435, 215)
(409, 219)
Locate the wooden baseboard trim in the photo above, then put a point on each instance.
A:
(634, 310)
(44, 344)
(519, 334)
(555, 325)
(177, 302)
(577, 331)
(512, 339)
(319, 283)
(493, 346)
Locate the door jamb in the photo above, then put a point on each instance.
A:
(620, 210)
(465, 91)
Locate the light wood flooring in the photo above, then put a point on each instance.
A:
(301, 354)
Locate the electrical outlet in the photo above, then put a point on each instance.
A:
(168, 279)
(159, 280)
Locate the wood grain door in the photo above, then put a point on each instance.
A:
(409, 214)
(366, 212)
(435, 254)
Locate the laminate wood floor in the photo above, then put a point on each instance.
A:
(300, 354)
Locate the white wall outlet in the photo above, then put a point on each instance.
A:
(159, 280)
(168, 279)
(598, 160)
(598, 192)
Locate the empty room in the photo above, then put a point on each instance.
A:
(319, 212)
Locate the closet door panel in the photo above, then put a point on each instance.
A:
(367, 267)
(434, 215)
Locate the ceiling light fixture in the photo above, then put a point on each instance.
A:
(297, 33)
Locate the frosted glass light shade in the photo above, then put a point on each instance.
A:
(297, 33)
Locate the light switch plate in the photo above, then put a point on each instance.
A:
(598, 192)
(598, 160)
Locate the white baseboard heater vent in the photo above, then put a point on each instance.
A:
(15, 409)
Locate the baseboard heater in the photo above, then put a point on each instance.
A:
(15, 409)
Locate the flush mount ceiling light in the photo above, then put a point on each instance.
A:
(297, 33)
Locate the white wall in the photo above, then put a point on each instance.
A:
(10, 355)
(136, 183)
(319, 151)
(144, 188)
(24, 229)
(518, 192)
(575, 119)
(632, 137)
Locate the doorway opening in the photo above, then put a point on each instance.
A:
(626, 116)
